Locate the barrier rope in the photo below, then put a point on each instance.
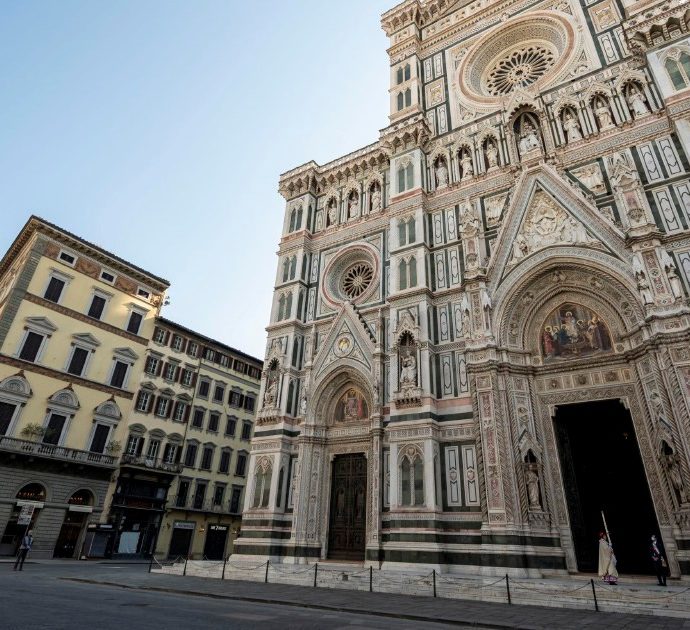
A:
(517, 584)
(241, 567)
(308, 569)
(623, 594)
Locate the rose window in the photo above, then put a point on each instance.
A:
(357, 279)
(520, 68)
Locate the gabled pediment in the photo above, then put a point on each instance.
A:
(127, 354)
(347, 339)
(86, 339)
(40, 324)
(546, 211)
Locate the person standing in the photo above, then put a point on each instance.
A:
(607, 561)
(24, 548)
(659, 561)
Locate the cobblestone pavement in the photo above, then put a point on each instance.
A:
(128, 596)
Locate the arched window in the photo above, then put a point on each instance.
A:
(81, 497)
(402, 232)
(288, 306)
(279, 496)
(300, 302)
(402, 275)
(286, 269)
(32, 492)
(412, 272)
(411, 236)
(401, 179)
(281, 307)
(293, 220)
(298, 221)
(408, 97)
(409, 172)
(399, 76)
(407, 72)
(293, 267)
(401, 100)
(685, 65)
(412, 478)
(675, 74)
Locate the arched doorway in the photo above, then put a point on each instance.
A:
(30, 499)
(79, 506)
(347, 527)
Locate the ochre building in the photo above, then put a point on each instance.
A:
(75, 323)
(480, 334)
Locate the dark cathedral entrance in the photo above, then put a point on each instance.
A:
(602, 470)
(347, 524)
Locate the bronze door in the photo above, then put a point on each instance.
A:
(347, 530)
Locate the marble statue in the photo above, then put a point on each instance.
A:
(637, 102)
(408, 373)
(603, 114)
(466, 165)
(533, 489)
(491, 155)
(376, 199)
(441, 174)
(529, 139)
(572, 127)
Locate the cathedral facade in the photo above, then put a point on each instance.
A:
(478, 355)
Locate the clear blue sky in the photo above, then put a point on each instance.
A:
(158, 130)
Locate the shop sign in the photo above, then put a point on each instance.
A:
(184, 525)
(25, 515)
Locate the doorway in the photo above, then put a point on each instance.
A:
(347, 523)
(181, 539)
(69, 535)
(216, 537)
(602, 471)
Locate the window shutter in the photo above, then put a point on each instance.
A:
(177, 374)
(140, 446)
(185, 343)
(170, 409)
(154, 402)
(139, 397)
(151, 402)
(166, 339)
(187, 412)
(194, 379)
(159, 367)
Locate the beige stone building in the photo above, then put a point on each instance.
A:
(480, 337)
(75, 323)
(192, 425)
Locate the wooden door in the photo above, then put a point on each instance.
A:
(347, 529)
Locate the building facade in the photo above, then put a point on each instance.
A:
(75, 322)
(203, 395)
(480, 336)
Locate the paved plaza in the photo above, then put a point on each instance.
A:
(112, 596)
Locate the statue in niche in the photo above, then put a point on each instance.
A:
(573, 331)
(469, 221)
(271, 388)
(529, 138)
(643, 285)
(491, 154)
(672, 465)
(331, 213)
(603, 114)
(353, 206)
(637, 101)
(572, 127)
(671, 273)
(408, 371)
(533, 494)
(441, 173)
(376, 198)
(351, 406)
(466, 164)
(591, 177)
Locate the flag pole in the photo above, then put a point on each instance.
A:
(606, 529)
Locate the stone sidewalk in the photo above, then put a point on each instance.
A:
(414, 608)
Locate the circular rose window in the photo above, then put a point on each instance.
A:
(357, 279)
(519, 68)
(351, 275)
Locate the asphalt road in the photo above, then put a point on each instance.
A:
(40, 598)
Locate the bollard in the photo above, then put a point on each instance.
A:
(222, 577)
(594, 594)
(184, 572)
(371, 579)
(266, 576)
(316, 571)
(508, 589)
(151, 563)
(434, 574)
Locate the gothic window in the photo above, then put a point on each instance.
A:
(412, 272)
(279, 497)
(262, 483)
(288, 306)
(408, 97)
(407, 273)
(402, 275)
(286, 269)
(407, 72)
(357, 279)
(300, 305)
(401, 101)
(293, 267)
(679, 70)
(281, 307)
(411, 478)
(405, 177)
(406, 231)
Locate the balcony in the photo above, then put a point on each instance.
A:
(160, 465)
(195, 504)
(58, 453)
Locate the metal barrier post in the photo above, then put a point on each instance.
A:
(594, 594)
(266, 576)
(371, 579)
(185, 565)
(316, 572)
(434, 574)
(508, 588)
(225, 562)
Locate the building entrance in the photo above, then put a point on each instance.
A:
(347, 523)
(603, 471)
(69, 535)
(216, 537)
